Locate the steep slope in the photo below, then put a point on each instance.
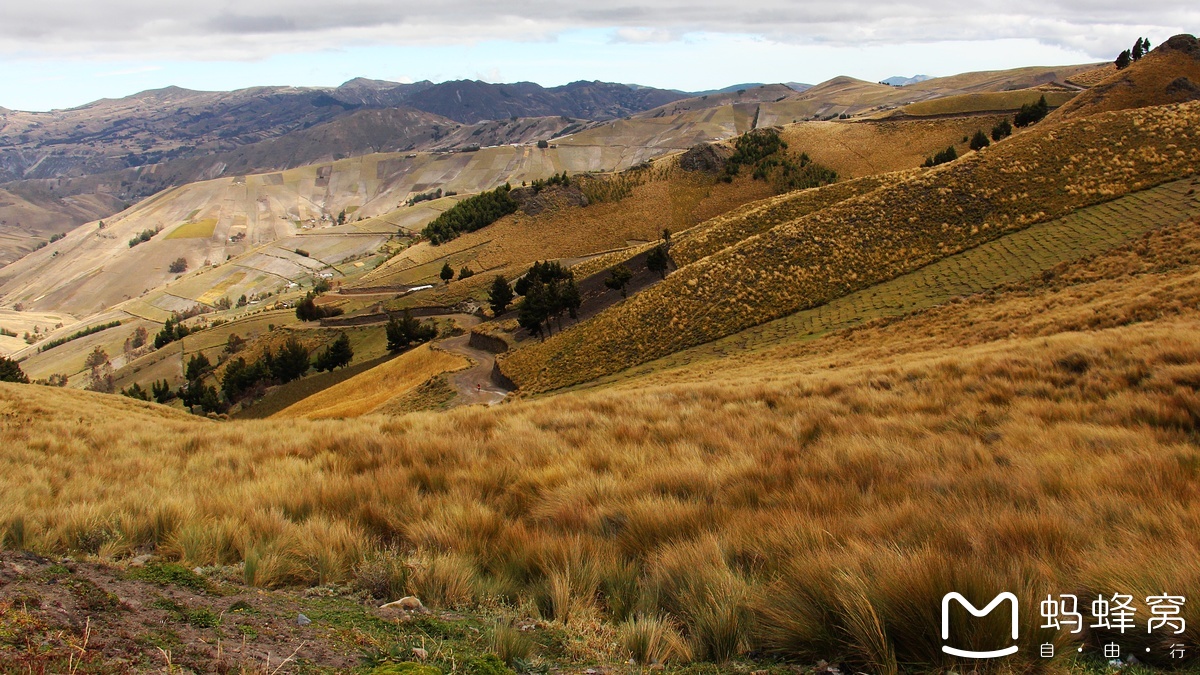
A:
(1170, 73)
(1030, 178)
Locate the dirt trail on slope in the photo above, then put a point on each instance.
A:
(474, 385)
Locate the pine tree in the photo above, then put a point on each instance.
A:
(197, 366)
(336, 355)
(1002, 130)
(500, 296)
(980, 140)
(407, 330)
(291, 362)
(135, 391)
(618, 279)
(447, 272)
(1122, 62)
(533, 311)
(657, 260)
(10, 371)
(1138, 50)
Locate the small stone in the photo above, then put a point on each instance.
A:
(198, 571)
(141, 560)
(420, 653)
(303, 620)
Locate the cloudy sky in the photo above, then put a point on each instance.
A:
(59, 53)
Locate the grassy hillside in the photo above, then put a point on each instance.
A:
(363, 393)
(1030, 178)
(750, 502)
(1170, 73)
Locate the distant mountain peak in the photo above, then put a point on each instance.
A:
(900, 80)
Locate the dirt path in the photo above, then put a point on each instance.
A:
(474, 385)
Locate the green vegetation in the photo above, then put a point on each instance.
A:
(1003, 129)
(90, 330)
(10, 371)
(549, 290)
(406, 331)
(980, 140)
(657, 260)
(197, 617)
(942, 157)
(242, 379)
(144, 236)
(557, 179)
(308, 310)
(471, 214)
(170, 574)
(135, 391)
(172, 330)
(1032, 113)
(500, 295)
(178, 265)
(337, 355)
(447, 273)
(618, 279)
(426, 197)
(763, 151)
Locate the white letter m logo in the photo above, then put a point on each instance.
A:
(977, 612)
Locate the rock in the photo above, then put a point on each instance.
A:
(408, 604)
(705, 157)
(303, 620)
(141, 560)
(420, 653)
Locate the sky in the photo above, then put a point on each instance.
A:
(59, 53)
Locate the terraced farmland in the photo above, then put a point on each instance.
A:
(1010, 259)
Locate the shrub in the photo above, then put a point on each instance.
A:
(10, 371)
(1003, 129)
(947, 155)
(543, 144)
(1032, 113)
(618, 279)
(407, 330)
(980, 140)
(336, 355)
(178, 265)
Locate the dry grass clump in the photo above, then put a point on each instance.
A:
(1033, 177)
(652, 639)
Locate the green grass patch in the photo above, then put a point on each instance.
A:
(198, 617)
(170, 574)
(199, 229)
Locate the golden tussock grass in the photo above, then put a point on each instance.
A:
(367, 391)
(777, 504)
(1033, 177)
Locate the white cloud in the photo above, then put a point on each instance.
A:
(158, 29)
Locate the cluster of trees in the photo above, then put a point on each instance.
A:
(1003, 129)
(242, 379)
(1140, 49)
(171, 331)
(144, 236)
(1032, 113)
(308, 310)
(10, 371)
(405, 331)
(550, 291)
(178, 265)
(763, 149)
(471, 214)
(447, 273)
(424, 197)
(557, 179)
(337, 355)
(77, 334)
(947, 155)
